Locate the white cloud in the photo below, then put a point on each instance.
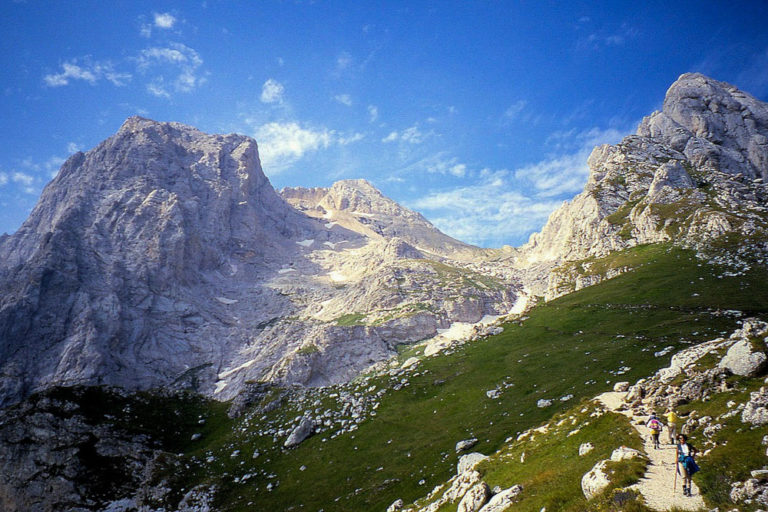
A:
(614, 38)
(173, 68)
(272, 91)
(343, 61)
(490, 213)
(164, 20)
(3, 179)
(73, 147)
(373, 113)
(566, 174)
(344, 99)
(86, 71)
(283, 144)
(22, 178)
(515, 109)
(410, 135)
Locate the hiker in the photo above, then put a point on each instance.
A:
(655, 425)
(686, 465)
(672, 420)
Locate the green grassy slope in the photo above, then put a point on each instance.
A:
(576, 345)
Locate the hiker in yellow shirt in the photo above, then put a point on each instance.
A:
(672, 420)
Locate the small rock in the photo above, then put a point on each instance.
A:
(624, 453)
(621, 387)
(396, 505)
(585, 448)
(466, 444)
(543, 403)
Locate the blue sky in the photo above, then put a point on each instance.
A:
(480, 115)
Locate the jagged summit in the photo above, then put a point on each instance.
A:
(714, 124)
(693, 174)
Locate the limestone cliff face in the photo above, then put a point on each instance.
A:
(115, 277)
(693, 174)
(164, 257)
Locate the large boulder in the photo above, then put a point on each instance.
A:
(593, 482)
(743, 359)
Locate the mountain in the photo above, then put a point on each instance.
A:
(693, 174)
(164, 257)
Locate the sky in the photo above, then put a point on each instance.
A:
(479, 115)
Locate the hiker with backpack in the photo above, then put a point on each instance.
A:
(654, 424)
(686, 465)
(672, 420)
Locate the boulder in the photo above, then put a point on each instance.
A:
(585, 448)
(475, 498)
(396, 505)
(503, 500)
(621, 387)
(593, 482)
(543, 403)
(743, 359)
(469, 461)
(756, 410)
(303, 430)
(466, 444)
(624, 453)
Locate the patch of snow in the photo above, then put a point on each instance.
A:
(520, 304)
(226, 301)
(220, 387)
(330, 244)
(306, 243)
(227, 373)
(286, 270)
(329, 225)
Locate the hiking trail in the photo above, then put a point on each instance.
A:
(656, 485)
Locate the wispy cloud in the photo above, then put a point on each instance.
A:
(160, 20)
(410, 135)
(344, 99)
(490, 212)
(272, 91)
(87, 71)
(373, 113)
(174, 68)
(616, 37)
(3, 178)
(283, 144)
(514, 109)
(505, 206)
(343, 61)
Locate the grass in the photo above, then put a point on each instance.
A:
(351, 319)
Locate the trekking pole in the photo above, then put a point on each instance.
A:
(677, 470)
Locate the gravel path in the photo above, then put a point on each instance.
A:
(656, 485)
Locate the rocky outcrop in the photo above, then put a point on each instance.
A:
(743, 359)
(692, 174)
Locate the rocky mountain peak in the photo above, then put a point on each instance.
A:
(693, 174)
(714, 124)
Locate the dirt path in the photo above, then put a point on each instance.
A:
(656, 485)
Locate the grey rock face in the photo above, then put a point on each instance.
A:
(693, 173)
(164, 257)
